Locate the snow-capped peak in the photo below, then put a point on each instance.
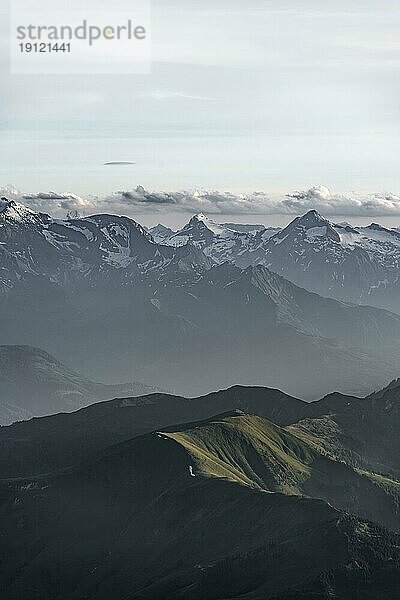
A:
(310, 227)
(161, 233)
(344, 225)
(14, 211)
(201, 218)
(312, 219)
(161, 228)
(376, 227)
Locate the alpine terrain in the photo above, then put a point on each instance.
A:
(105, 298)
(233, 505)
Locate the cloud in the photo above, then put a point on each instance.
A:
(119, 163)
(140, 196)
(212, 202)
(139, 200)
(57, 204)
(53, 201)
(215, 202)
(354, 204)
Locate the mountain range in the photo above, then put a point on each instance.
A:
(33, 384)
(101, 295)
(78, 253)
(246, 493)
(254, 502)
(352, 264)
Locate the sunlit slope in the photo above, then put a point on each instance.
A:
(252, 451)
(231, 507)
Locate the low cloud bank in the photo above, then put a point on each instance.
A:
(140, 200)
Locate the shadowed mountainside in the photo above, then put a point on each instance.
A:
(33, 383)
(231, 505)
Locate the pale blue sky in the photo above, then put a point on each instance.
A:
(242, 96)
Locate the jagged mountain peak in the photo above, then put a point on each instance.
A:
(338, 260)
(311, 226)
(199, 217)
(312, 218)
(101, 247)
(161, 234)
(201, 220)
(199, 230)
(15, 211)
(160, 228)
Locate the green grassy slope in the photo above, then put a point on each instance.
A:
(362, 432)
(43, 445)
(252, 451)
(226, 508)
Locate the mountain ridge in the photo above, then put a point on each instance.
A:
(354, 264)
(85, 432)
(33, 383)
(201, 509)
(72, 286)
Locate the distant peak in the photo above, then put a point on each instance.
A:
(344, 225)
(161, 227)
(4, 203)
(14, 210)
(200, 217)
(312, 225)
(200, 221)
(376, 227)
(313, 217)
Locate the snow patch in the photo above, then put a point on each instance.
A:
(57, 240)
(314, 232)
(83, 230)
(211, 225)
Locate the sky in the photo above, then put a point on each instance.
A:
(259, 96)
